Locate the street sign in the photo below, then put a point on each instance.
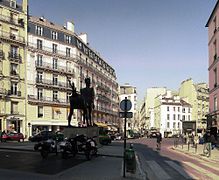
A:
(128, 104)
(128, 114)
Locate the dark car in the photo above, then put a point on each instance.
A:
(42, 136)
(153, 135)
(12, 136)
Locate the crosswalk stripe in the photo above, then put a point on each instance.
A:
(208, 164)
(179, 169)
(202, 170)
(160, 173)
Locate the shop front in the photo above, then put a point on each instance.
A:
(14, 124)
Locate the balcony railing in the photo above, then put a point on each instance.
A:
(51, 50)
(103, 98)
(49, 66)
(14, 112)
(48, 82)
(15, 93)
(11, 36)
(48, 100)
(15, 57)
(19, 22)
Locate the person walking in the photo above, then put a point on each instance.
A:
(159, 139)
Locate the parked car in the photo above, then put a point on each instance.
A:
(12, 136)
(105, 139)
(45, 135)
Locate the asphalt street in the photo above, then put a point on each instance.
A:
(32, 162)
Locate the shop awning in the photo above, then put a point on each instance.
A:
(99, 124)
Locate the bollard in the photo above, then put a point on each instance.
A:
(130, 160)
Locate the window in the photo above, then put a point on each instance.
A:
(188, 110)
(178, 124)
(14, 51)
(174, 117)
(168, 117)
(39, 44)
(13, 4)
(39, 94)
(14, 108)
(55, 63)
(183, 117)
(215, 103)
(174, 125)
(178, 109)
(14, 69)
(178, 117)
(183, 110)
(68, 52)
(39, 77)
(55, 95)
(55, 79)
(188, 117)
(215, 24)
(174, 108)
(39, 30)
(39, 60)
(54, 48)
(215, 77)
(40, 112)
(168, 108)
(67, 39)
(168, 124)
(54, 35)
(14, 89)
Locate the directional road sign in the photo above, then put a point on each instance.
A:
(128, 105)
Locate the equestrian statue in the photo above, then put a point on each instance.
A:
(83, 101)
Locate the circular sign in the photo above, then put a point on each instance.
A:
(126, 102)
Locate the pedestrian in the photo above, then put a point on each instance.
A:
(213, 142)
(159, 139)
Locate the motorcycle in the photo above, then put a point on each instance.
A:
(48, 146)
(77, 145)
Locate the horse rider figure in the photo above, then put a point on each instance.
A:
(88, 95)
(74, 94)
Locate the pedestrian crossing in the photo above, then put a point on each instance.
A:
(170, 169)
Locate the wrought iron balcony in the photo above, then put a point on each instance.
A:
(47, 100)
(14, 93)
(19, 22)
(53, 84)
(12, 37)
(15, 112)
(103, 98)
(15, 57)
(59, 69)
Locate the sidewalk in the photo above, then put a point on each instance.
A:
(199, 152)
(107, 166)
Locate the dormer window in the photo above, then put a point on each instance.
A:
(13, 4)
(39, 30)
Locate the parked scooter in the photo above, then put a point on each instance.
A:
(78, 144)
(48, 146)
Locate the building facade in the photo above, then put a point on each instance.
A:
(131, 93)
(213, 66)
(169, 113)
(13, 40)
(151, 93)
(57, 56)
(198, 96)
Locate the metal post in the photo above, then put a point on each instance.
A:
(124, 136)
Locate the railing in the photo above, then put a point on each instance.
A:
(49, 66)
(14, 112)
(103, 87)
(15, 93)
(12, 36)
(52, 83)
(50, 50)
(49, 100)
(15, 57)
(103, 98)
(9, 19)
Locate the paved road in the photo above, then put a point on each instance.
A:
(169, 164)
(32, 162)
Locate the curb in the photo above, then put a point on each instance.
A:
(194, 154)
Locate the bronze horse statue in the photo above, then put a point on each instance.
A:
(83, 101)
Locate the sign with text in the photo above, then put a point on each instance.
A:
(128, 115)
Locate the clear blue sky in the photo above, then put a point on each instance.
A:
(148, 42)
